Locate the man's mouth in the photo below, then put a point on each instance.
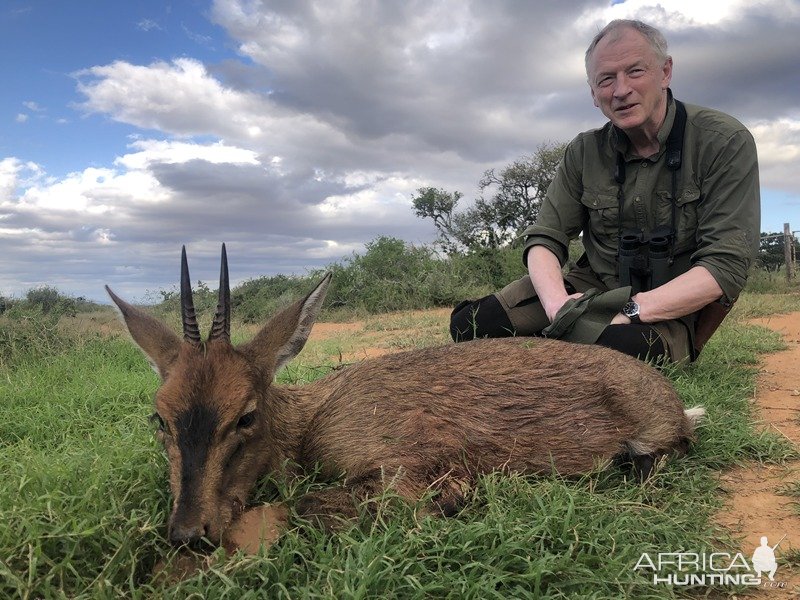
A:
(624, 107)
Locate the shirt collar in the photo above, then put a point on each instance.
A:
(621, 143)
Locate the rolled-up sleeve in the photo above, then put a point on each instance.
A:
(729, 215)
(561, 215)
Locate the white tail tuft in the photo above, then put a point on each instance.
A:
(695, 415)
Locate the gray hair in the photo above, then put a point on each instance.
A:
(653, 36)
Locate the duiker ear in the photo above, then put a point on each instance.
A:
(285, 334)
(156, 340)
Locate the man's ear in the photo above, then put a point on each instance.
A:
(666, 73)
(285, 334)
(158, 343)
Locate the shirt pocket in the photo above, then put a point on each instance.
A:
(685, 217)
(603, 211)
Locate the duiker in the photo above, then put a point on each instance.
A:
(422, 422)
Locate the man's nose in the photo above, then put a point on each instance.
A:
(621, 86)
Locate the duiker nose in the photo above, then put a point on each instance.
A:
(187, 534)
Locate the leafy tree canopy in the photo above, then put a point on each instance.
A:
(509, 201)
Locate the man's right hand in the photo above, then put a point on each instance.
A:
(553, 305)
(548, 281)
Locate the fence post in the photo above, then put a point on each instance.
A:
(788, 251)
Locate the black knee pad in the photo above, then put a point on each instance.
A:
(639, 340)
(473, 319)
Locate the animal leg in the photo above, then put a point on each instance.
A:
(643, 466)
(450, 491)
(333, 507)
(330, 508)
(640, 464)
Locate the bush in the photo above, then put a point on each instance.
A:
(393, 275)
(29, 328)
(257, 298)
(50, 301)
(488, 270)
(204, 298)
(30, 335)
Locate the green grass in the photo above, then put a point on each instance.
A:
(84, 495)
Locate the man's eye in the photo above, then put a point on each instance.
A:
(246, 420)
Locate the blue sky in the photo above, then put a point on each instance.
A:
(298, 131)
(48, 44)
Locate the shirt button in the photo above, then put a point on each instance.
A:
(644, 165)
(637, 199)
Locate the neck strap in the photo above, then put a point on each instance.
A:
(674, 158)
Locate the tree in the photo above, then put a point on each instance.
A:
(771, 255)
(437, 204)
(493, 220)
(521, 186)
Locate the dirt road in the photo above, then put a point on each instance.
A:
(757, 504)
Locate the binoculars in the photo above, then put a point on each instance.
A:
(644, 258)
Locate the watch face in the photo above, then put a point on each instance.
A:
(631, 309)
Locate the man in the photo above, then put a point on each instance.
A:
(684, 198)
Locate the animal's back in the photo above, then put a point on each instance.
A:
(526, 404)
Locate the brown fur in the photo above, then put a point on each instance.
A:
(421, 421)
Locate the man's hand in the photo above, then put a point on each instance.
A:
(554, 304)
(545, 273)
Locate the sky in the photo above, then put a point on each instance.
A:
(296, 131)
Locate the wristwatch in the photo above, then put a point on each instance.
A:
(631, 310)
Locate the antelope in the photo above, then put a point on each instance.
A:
(423, 422)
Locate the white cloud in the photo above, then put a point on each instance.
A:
(21, 118)
(181, 98)
(174, 152)
(95, 191)
(669, 14)
(9, 167)
(315, 140)
(89, 192)
(148, 25)
(178, 97)
(778, 144)
(14, 174)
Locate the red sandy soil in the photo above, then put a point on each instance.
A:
(755, 505)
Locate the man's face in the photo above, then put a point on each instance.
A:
(628, 81)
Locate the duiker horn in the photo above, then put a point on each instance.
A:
(191, 330)
(221, 327)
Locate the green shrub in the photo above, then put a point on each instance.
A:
(253, 300)
(30, 336)
(393, 275)
(29, 328)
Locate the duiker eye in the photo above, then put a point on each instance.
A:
(246, 420)
(156, 418)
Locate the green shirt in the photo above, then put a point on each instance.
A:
(718, 198)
